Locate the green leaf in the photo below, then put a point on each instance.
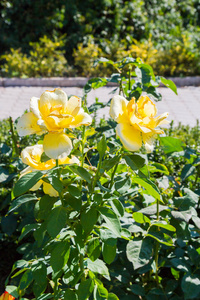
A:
(97, 266)
(21, 200)
(156, 167)
(180, 264)
(109, 163)
(4, 174)
(39, 288)
(84, 174)
(111, 220)
(95, 83)
(102, 146)
(85, 289)
(70, 294)
(26, 229)
(150, 187)
(161, 237)
(60, 255)
(100, 292)
(39, 234)
(56, 220)
(182, 215)
(39, 270)
(190, 199)
(26, 182)
(152, 209)
(12, 290)
(165, 226)
(89, 219)
(73, 190)
(74, 202)
(9, 224)
(45, 296)
(187, 171)
(55, 182)
(135, 161)
(190, 285)
(171, 144)
(122, 183)
(137, 290)
(112, 296)
(45, 206)
(94, 248)
(109, 250)
(139, 252)
(169, 83)
(140, 218)
(117, 207)
(26, 280)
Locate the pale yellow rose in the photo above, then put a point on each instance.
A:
(51, 114)
(136, 122)
(32, 156)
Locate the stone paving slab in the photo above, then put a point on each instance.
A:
(184, 108)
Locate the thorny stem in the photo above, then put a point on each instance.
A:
(13, 136)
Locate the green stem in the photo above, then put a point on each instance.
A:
(82, 146)
(157, 246)
(82, 267)
(13, 136)
(115, 168)
(59, 175)
(58, 169)
(120, 87)
(96, 176)
(82, 153)
(129, 79)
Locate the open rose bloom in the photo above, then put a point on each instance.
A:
(137, 122)
(6, 296)
(52, 113)
(32, 156)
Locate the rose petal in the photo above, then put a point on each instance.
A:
(118, 109)
(27, 124)
(37, 185)
(73, 105)
(31, 156)
(130, 137)
(82, 118)
(56, 144)
(34, 102)
(51, 100)
(68, 161)
(148, 140)
(146, 107)
(49, 190)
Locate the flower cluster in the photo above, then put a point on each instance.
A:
(136, 122)
(50, 115)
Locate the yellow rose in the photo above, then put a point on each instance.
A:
(51, 114)
(136, 121)
(32, 157)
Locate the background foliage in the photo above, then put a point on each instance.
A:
(167, 29)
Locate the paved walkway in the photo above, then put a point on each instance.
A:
(184, 108)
